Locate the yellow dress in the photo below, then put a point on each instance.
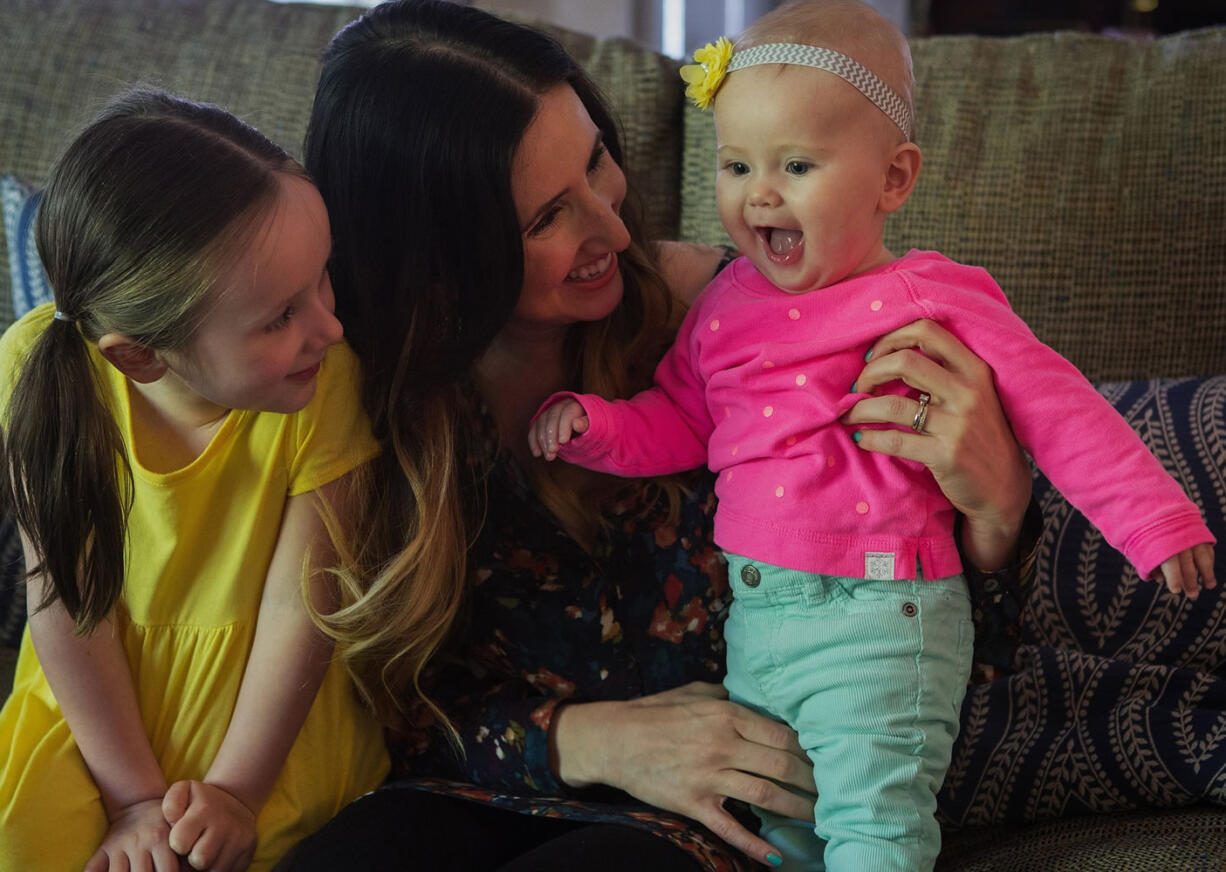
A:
(200, 540)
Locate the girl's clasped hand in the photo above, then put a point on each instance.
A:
(209, 827)
(195, 825)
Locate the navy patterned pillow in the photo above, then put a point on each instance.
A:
(1087, 596)
(30, 287)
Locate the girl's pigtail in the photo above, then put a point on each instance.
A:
(66, 477)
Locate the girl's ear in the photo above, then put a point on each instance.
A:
(900, 176)
(138, 362)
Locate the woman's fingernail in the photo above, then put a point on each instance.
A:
(857, 436)
(774, 859)
(867, 355)
(853, 386)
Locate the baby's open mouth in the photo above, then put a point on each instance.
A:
(781, 241)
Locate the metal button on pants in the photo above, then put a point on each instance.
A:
(750, 575)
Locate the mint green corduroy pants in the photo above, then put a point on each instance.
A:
(871, 675)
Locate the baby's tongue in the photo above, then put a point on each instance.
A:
(782, 241)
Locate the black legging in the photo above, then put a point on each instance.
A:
(409, 830)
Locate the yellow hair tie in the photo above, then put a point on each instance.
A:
(704, 76)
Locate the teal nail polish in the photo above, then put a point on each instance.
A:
(857, 436)
(853, 386)
(867, 355)
(774, 859)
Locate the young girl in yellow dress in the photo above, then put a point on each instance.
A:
(178, 429)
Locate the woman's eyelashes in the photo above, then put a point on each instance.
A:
(594, 163)
(597, 158)
(545, 221)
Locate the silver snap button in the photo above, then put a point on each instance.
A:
(910, 610)
(751, 576)
(991, 585)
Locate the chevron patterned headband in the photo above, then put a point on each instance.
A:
(718, 59)
(864, 81)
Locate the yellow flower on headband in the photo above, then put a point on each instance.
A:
(704, 77)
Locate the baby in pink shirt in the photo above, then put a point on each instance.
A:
(815, 147)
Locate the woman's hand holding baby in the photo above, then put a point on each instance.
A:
(209, 826)
(967, 443)
(555, 426)
(686, 750)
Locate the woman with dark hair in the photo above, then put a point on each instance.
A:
(529, 630)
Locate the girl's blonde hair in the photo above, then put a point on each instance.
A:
(141, 215)
(418, 112)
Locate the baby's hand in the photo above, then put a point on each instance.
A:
(209, 826)
(138, 838)
(1180, 571)
(555, 426)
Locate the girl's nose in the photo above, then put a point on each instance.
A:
(328, 327)
(332, 330)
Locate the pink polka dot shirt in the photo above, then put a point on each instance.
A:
(757, 380)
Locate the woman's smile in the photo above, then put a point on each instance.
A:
(595, 273)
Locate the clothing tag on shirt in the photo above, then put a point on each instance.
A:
(879, 565)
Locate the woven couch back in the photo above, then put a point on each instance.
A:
(1087, 174)
(61, 59)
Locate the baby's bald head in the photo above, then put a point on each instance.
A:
(850, 27)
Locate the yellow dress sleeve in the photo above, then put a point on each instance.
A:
(332, 433)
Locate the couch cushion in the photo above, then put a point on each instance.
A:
(30, 287)
(1180, 839)
(1118, 695)
(261, 61)
(1087, 596)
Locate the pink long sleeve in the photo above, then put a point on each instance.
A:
(660, 430)
(1088, 451)
(762, 378)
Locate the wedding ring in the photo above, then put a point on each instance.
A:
(921, 414)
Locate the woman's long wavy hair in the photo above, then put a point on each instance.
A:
(141, 214)
(419, 110)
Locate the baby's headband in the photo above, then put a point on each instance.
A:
(715, 60)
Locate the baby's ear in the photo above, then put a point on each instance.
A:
(138, 362)
(900, 176)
